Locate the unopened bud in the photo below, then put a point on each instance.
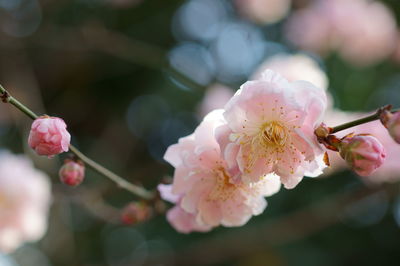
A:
(136, 212)
(72, 173)
(49, 136)
(363, 153)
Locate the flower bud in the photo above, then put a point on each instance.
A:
(136, 212)
(323, 131)
(363, 153)
(49, 136)
(72, 173)
(393, 126)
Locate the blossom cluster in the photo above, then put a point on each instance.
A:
(264, 137)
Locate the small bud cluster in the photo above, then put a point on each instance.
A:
(49, 136)
(362, 152)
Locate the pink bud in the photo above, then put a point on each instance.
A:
(49, 136)
(364, 153)
(72, 173)
(393, 126)
(136, 212)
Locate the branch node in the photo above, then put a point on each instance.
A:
(5, 97)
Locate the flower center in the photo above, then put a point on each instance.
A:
(223, 189)
(274, 133)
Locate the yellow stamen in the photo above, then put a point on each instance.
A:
(274, 133)
(223, 189)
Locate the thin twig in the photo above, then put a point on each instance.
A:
(121, 182)
(360, 121)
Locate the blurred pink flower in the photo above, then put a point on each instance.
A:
(345, 26)
(49, 136)
(215, 97)
(310, 30)
(24, 201)
(393, 125)
(270, 129)
(72, 173)
(207, 190)
(365, 41)
(263, 11)
(136, 212)
(363, 153)
(295, 67)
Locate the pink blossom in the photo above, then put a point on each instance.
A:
(49, 136)
(295, 67)
(363, 153)
(24, 201)
(393, 125)
(208, 190)
(72, 173)
(270, 129)
(263, 11)
(181, 220)
(345, 26)
(166, 193)
(185, 222)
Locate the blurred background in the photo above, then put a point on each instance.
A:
(130, 77)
